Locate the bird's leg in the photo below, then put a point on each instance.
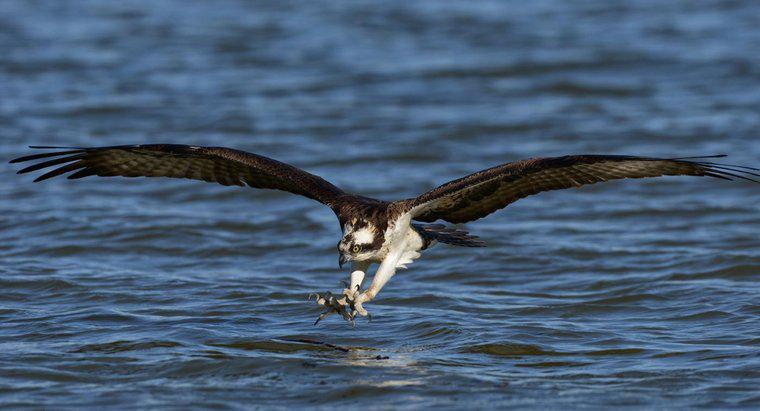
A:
(356, 281)
(384, 273)
(354, 288)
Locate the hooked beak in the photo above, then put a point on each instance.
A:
(342, 260)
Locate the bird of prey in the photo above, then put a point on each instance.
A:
(389, 233)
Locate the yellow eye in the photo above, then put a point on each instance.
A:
(356, 249)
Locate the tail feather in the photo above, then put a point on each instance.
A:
(448, 235)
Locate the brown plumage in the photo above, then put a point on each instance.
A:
(447, 235)
(480, 194)
(213, 164)
(466, 199)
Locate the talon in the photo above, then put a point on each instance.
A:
(358, 308)
(348, 305)
(323, 316)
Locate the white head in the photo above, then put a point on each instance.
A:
(361, 241)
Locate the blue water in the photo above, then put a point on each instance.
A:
(140, 293)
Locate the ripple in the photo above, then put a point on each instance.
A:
(278, 346)
(616, 352)
(582, 89)
(510, 350)
(150, 293)
(738, 272)
(123, 346)
(553, 364)
(704, 315)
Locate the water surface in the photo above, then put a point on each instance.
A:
(158, 293)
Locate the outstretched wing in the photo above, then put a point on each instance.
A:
(480, 194)
(213, 164)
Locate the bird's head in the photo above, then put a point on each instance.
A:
(362, 241)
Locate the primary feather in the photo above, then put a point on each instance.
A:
(480, 194)
(213, 164)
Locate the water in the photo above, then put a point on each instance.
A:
(164, 293)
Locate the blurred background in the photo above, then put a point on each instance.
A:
(155, 293)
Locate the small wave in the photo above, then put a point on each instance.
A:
(737, 272)
(572, 88)
(122, 346)
(616, 351)
(37, 285)
(521, 350)
(554, 364)
(510, 350)
(628, 299)
(671, 354)
(278, 346)
(704, 315)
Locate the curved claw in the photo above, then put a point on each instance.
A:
(323, 316)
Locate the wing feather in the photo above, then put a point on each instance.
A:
(212, 164)
(482, 193)
(50, 163)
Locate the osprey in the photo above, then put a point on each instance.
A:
(389, 233)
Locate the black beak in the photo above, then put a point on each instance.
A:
(342, 260)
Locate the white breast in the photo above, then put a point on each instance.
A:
(404, 240)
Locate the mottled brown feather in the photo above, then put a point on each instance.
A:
(480, 194)
(213, 164)
(459, 201)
